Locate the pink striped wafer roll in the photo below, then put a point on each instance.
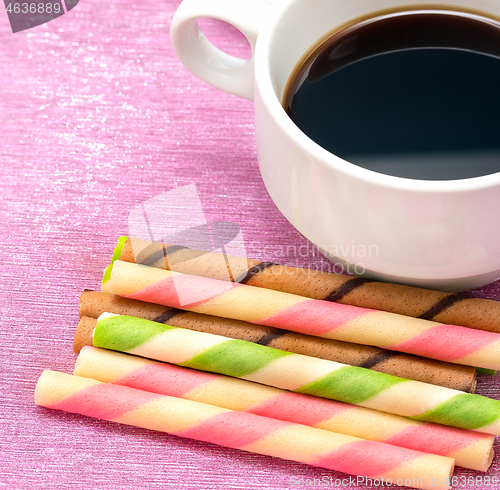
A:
(240, 430)
(469, 449)
(308, 316)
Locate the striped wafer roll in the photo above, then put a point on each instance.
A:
(241, 430)
(457, 309)
(455, 376)
(448, 343)
(295, 372)
(470, 449)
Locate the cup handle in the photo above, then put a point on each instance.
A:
(229, 73)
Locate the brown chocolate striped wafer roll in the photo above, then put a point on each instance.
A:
(93, 304)
(451, 308)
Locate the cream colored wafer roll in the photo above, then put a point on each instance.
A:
(450, 343)
(470, 449)
(452, 308)
(246, 431)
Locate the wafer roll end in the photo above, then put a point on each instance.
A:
(126, 251)
(39, 391)
(93, 303)
(484, 456)
(83, 333)
(116, 256)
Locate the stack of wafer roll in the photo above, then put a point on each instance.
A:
(326, 319)
(277, 370)
(470, 449)
(93, 304)
(247, 431)
(295, 372)
(441, 307)
(141, 395)
(273, 369)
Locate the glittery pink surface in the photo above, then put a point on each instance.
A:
(98, 116)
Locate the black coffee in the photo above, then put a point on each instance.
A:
(411, 94)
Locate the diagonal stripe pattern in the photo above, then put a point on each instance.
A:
(240, 430)
(470, 449)
(456, 376)
(299, 373)
(451, 308)
(308, 316)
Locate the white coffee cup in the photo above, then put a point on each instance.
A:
(430, 233)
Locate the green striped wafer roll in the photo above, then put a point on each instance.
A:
(298, 373)
(470, 449)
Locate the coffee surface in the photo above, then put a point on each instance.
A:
(414, 94)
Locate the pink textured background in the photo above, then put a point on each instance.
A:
(98, 116)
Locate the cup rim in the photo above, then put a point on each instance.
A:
(267, 93)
